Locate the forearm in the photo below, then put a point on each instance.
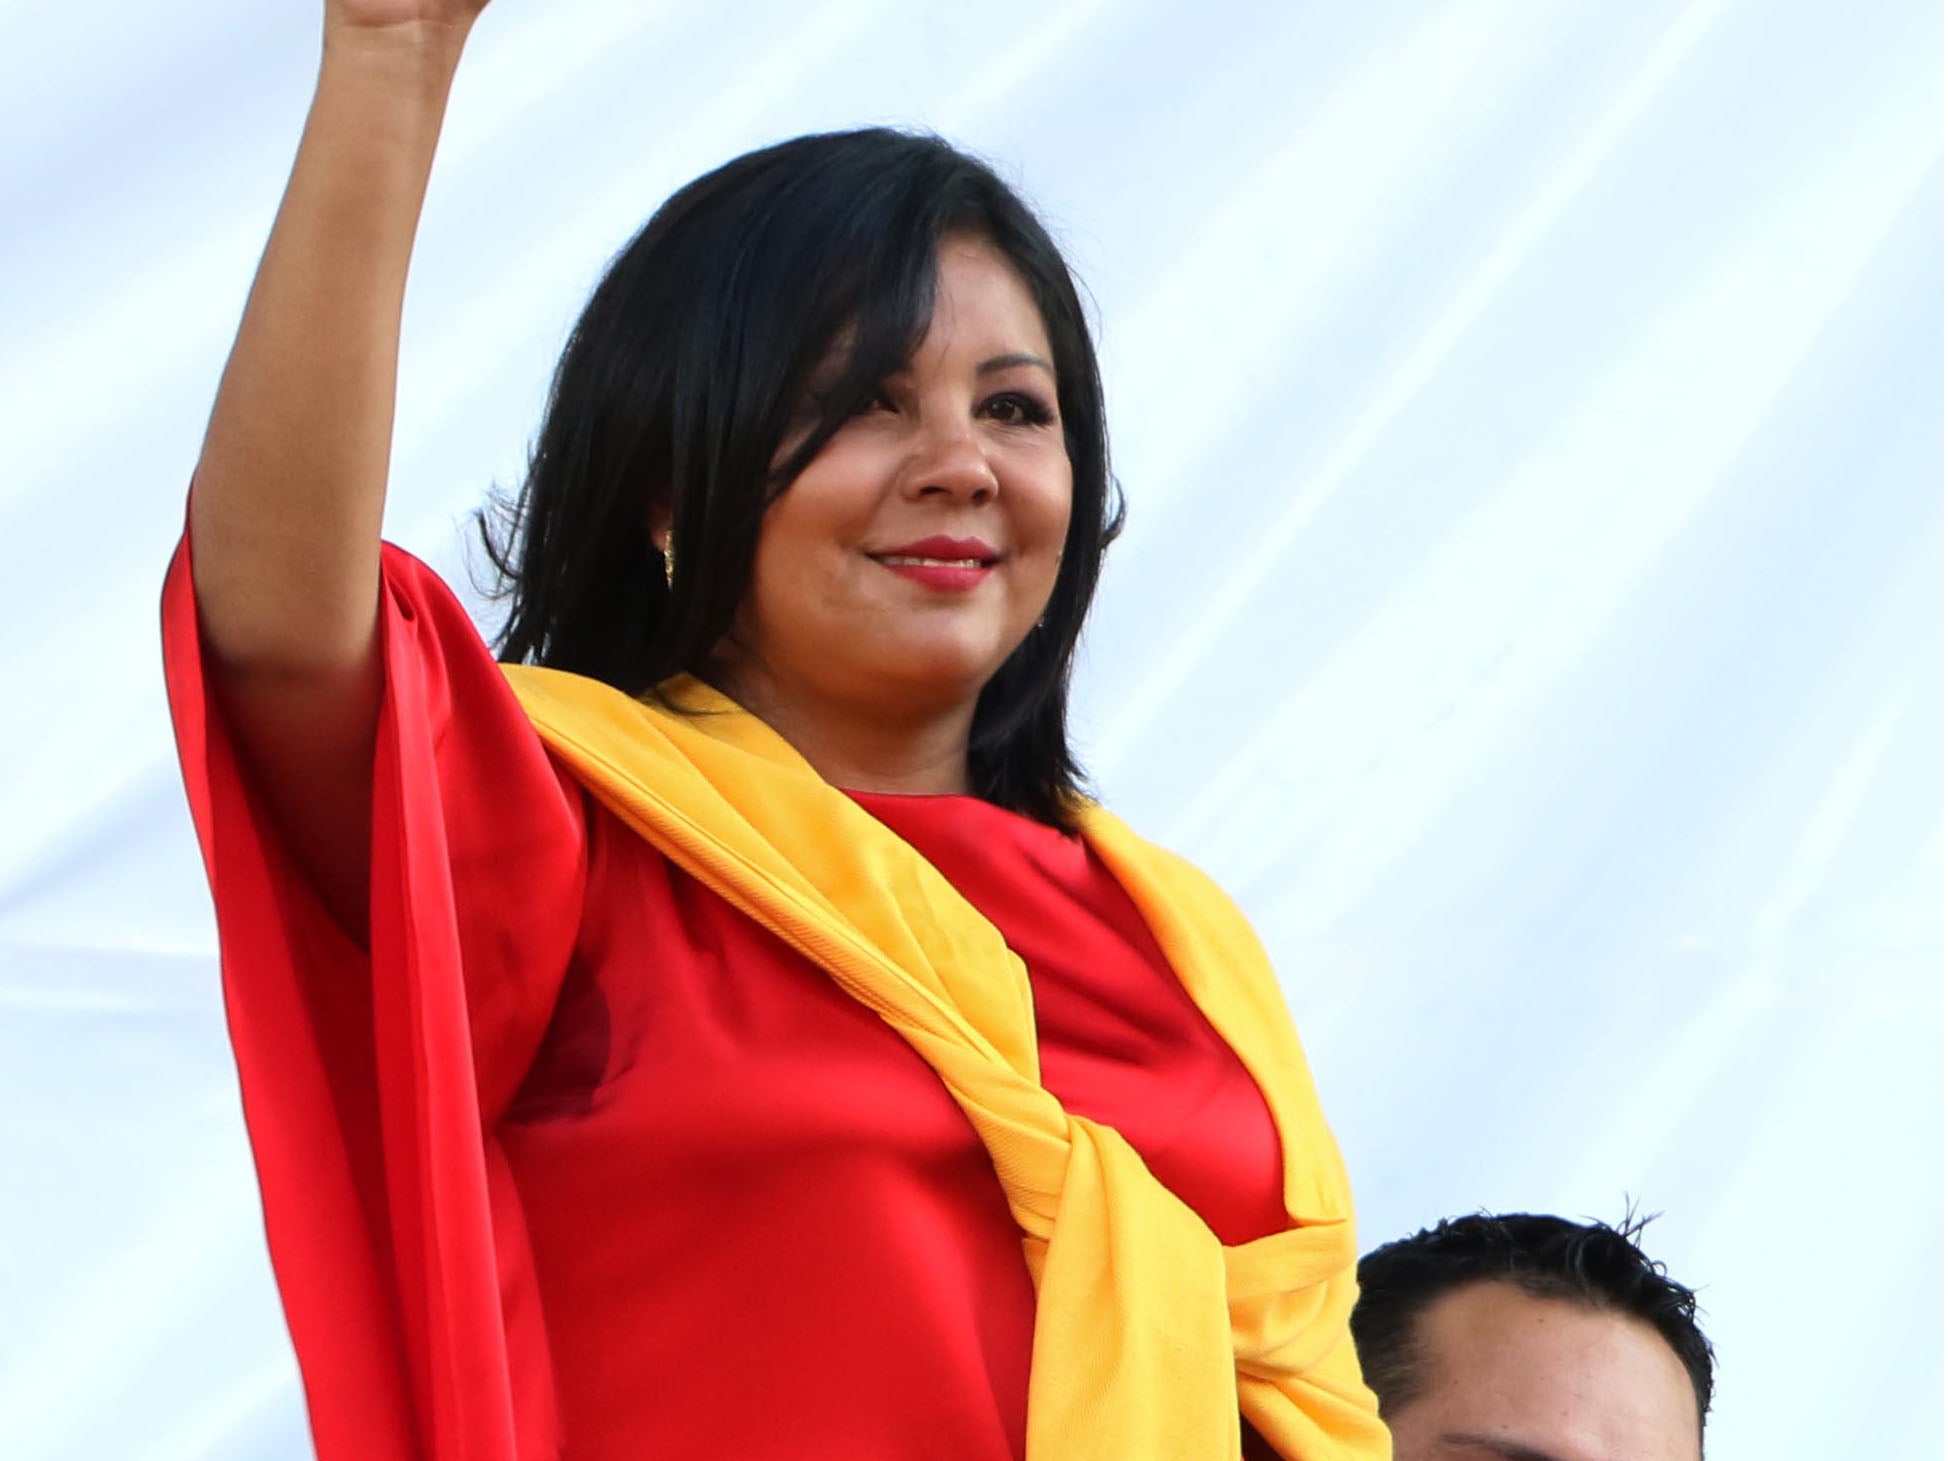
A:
(285, 511)
(290, 488)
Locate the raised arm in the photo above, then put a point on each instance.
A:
(285, 510)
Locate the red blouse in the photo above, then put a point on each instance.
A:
(736, 1215)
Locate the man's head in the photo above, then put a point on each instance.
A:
(1528, 1338)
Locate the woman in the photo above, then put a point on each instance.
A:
(676, 1044)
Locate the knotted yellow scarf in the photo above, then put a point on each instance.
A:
(1150, 1335)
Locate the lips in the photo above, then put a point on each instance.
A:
(957, 552)
(945, 565)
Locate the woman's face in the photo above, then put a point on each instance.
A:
(918, 548)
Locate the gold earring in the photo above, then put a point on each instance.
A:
(669, 565)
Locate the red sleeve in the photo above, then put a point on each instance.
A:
(371, 1083)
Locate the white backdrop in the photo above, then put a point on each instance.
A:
(1531, 417)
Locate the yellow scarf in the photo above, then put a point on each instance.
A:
(1150, 1335)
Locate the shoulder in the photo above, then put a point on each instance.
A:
(1167, 877)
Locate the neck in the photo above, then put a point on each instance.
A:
(859, 746)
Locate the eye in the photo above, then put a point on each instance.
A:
(879, 400)
(1018, 408)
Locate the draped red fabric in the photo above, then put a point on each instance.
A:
(579, 1161)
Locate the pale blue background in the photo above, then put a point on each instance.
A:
(1531, 413)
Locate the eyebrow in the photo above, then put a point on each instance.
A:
(1009, 362)
(1496, 1446)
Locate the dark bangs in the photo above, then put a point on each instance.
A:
(687, 369)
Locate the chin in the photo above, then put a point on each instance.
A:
(942, 671)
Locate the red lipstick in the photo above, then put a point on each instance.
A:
(946, 565)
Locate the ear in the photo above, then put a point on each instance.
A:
(660, 519)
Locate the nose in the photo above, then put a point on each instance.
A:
(948, 460)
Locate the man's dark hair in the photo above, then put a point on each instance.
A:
(686, 373)
(1549, 1257)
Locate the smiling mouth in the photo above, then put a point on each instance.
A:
(910, 560)
(950, 576)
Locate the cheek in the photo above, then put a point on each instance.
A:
(1055, 506)
(786, 586)
(776, 583)
(799, 572)
(1064, 511)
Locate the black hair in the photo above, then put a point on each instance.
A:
(682, 378)
(1549, 1257)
